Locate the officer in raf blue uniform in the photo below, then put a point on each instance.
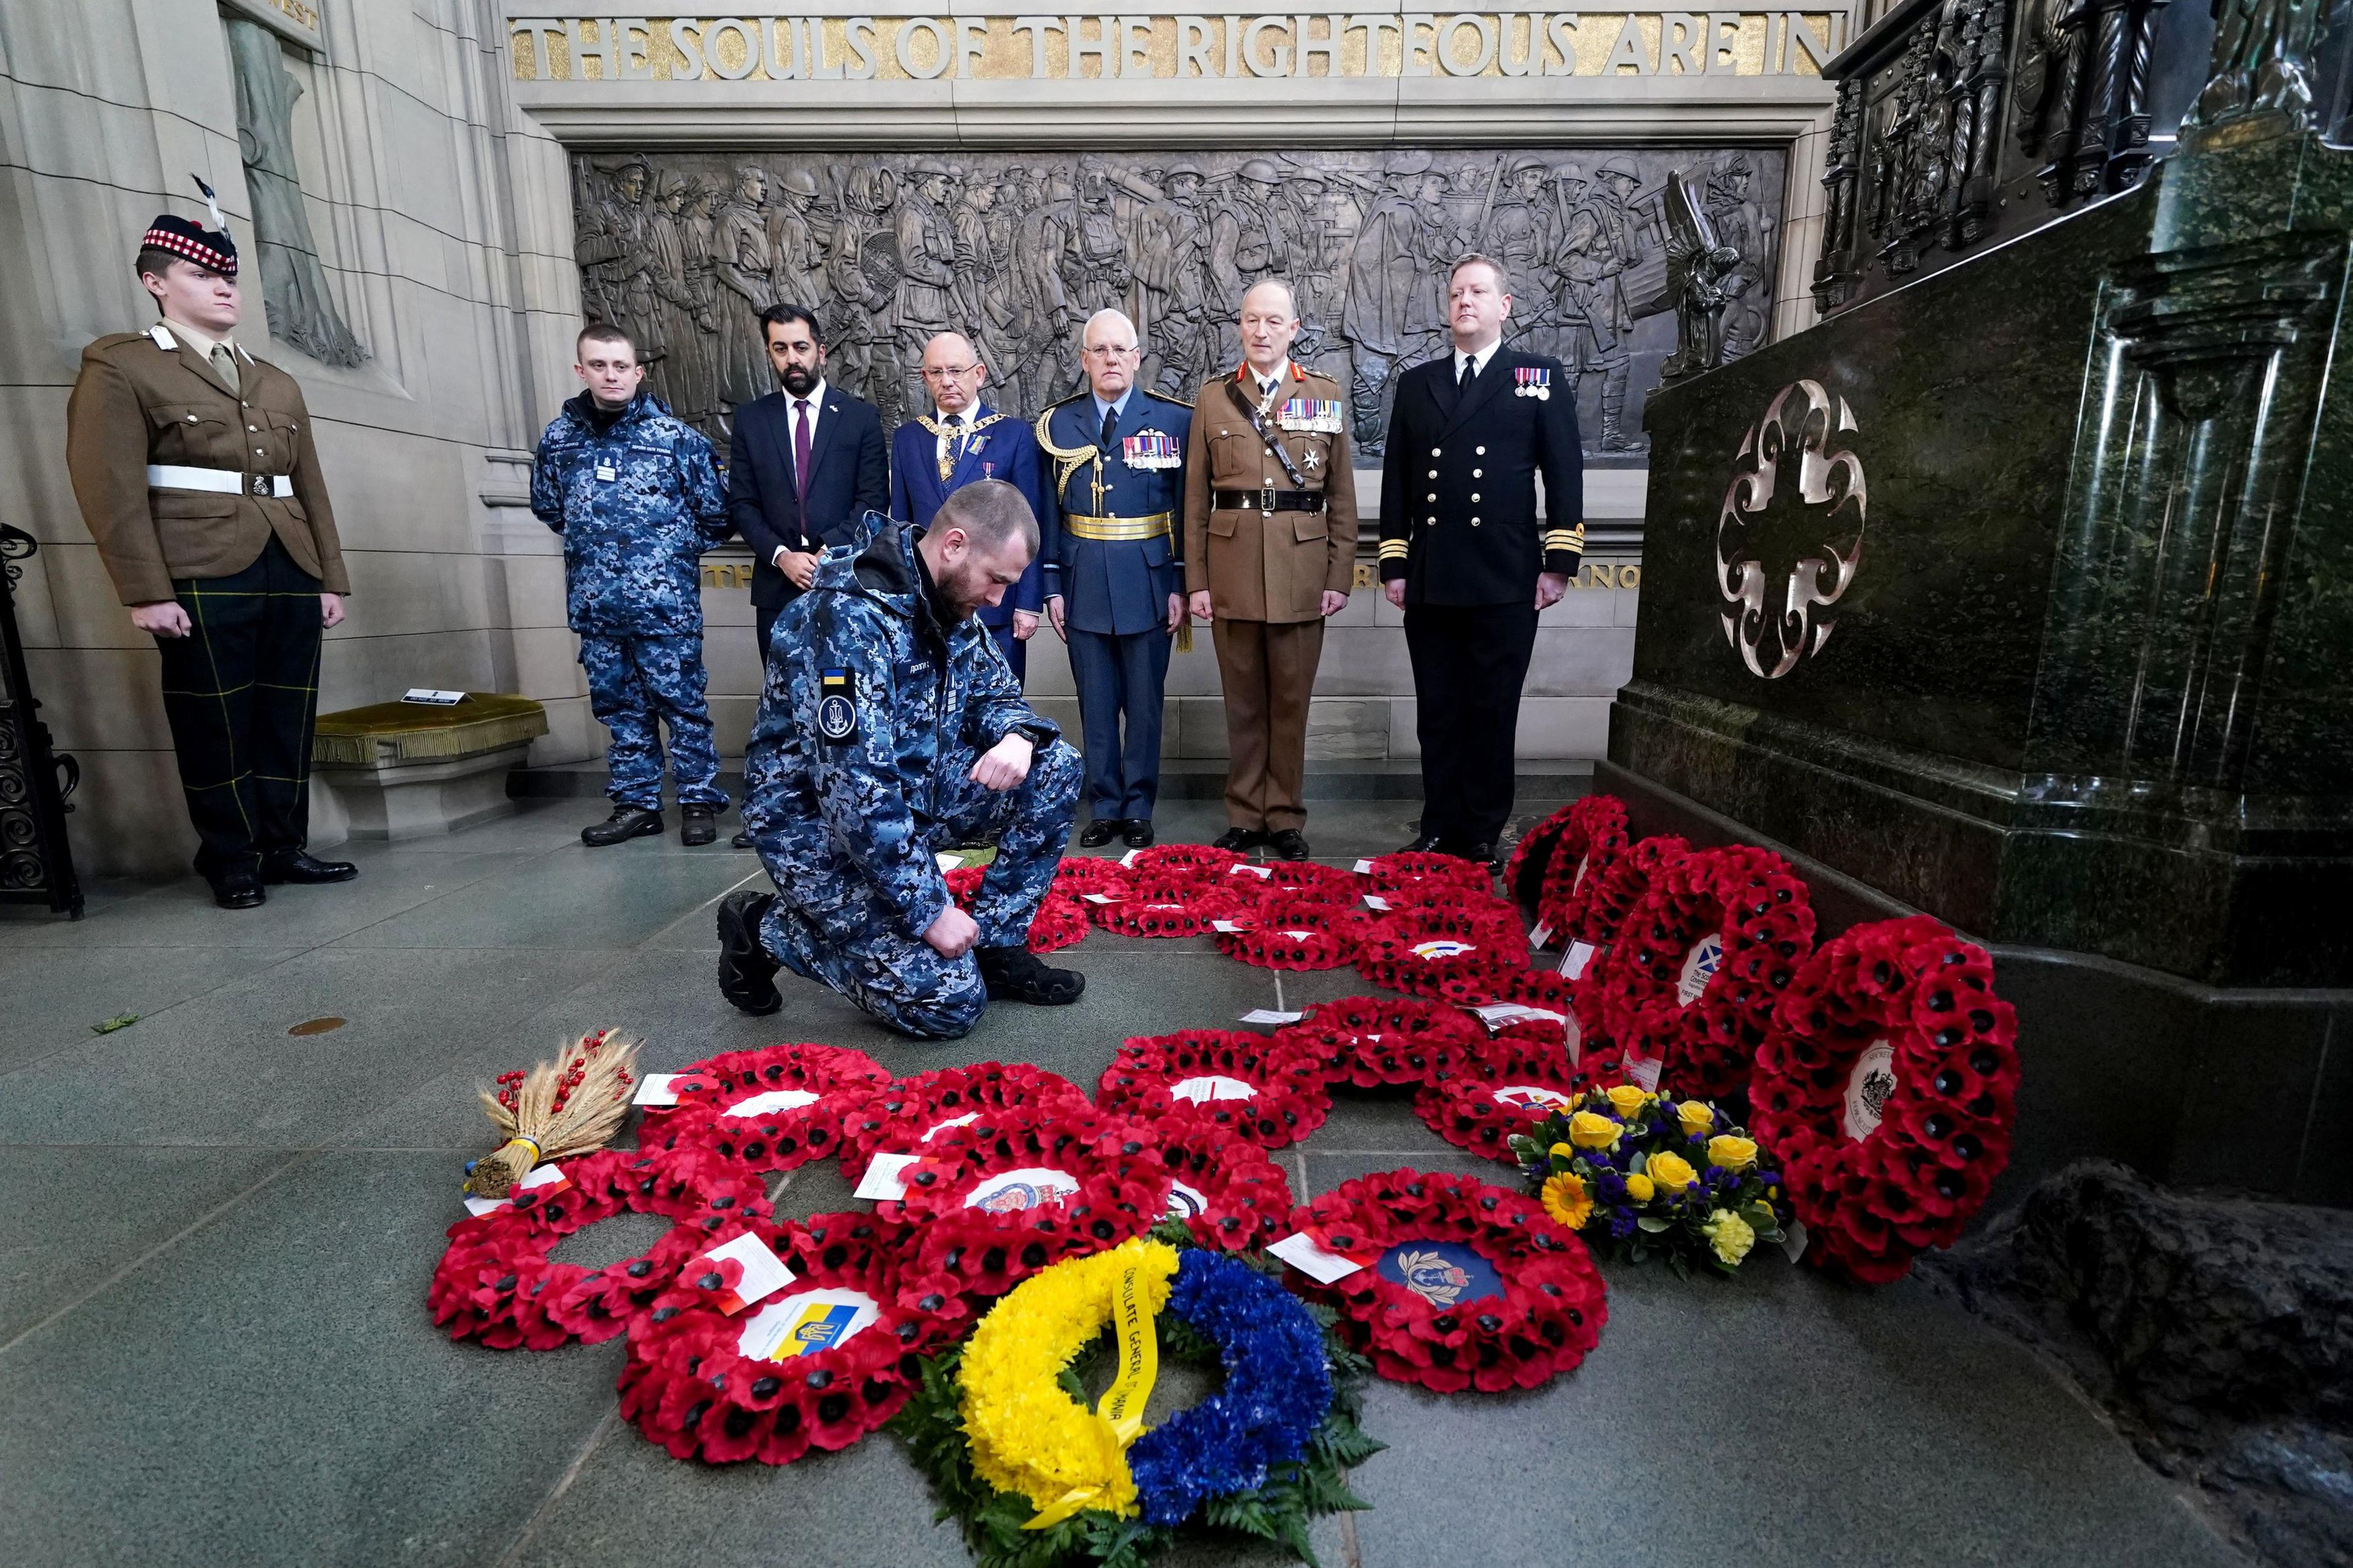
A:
(636, 495)
(1114, 580)
(889, 730)
(962, 440)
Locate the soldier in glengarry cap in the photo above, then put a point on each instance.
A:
(198, 477)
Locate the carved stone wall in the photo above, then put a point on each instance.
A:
(1016, 249)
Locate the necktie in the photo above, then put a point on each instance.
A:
(1470, 373)
(224, 366)
(1111, 422)
(801, 459)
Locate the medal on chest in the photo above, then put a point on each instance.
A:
(1532, 381)
(1313, 415)
(1151, 449)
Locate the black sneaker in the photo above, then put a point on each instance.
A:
(1015, 975)
(747, 973)
(695, 825)
(1240, 840)
(626, 822)
(1288, 844)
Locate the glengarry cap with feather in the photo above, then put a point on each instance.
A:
(190, 241)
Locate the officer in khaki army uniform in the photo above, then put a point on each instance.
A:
(198, 480)
(1270, 547)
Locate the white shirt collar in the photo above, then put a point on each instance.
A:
(1281, 377)
(1479, 360)
(815, 398)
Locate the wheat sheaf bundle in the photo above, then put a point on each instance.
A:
(570, 1105)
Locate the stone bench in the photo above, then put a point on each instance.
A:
(403, 770)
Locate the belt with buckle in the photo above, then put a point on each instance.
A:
(220, 482)
(1114, 530)
(1268, 499)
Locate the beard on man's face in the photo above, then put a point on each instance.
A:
(800, 380)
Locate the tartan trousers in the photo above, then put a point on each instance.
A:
(241, 692)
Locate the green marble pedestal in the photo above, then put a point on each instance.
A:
(2023, 595)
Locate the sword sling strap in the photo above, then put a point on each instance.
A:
(1258, 423)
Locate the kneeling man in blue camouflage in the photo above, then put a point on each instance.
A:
(891, 729)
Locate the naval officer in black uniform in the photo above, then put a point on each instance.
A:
(1463, 554)
(1115, 578)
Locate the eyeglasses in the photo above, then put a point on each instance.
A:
(947, 371)
(1110, 350)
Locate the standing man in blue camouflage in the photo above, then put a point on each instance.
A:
(1114, 577)
(637, 496)
(890, 728)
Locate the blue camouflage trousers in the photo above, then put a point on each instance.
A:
(828, 924)
(636, 684)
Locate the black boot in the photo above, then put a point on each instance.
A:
(626, 822)
(747, 970)
(695, 825)
(1015, 975)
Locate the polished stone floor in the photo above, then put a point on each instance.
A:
(214, 1238)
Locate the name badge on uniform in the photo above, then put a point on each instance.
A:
(1317, 416)
(606, 472)
(1534, 381)
(1152, 450)
(836, 708)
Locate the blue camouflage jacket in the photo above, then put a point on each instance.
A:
(637, 505)
(872, 707)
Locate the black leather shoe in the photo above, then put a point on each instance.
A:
(1423, 844)
(1015, 975)
(742, 840)
(1240, 840)
(239, 890)
(1482, 855)
(1136, 833)
(694, 825)
(1098, 832)
(1288, 844)
(300, 867)
(747, 972)
(626, 822)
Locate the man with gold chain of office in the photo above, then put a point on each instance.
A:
(1115, 574)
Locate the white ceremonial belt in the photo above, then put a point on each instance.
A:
(221, 481)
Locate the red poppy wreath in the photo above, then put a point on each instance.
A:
(818, 1363)
(1369, 1041)
(1611, 891)
(1079, 875)
(935, 1112)
(1887, 1089)
(1691, 981)
(1570, 902)
(1461, 1284)
(1251, 1087)
(1178, 862)
(1520, 1077)
(771, 1108)
(1286, 932)
(1231, 1195)
(1440, 952)
(1017, 1200)
(1154, 907)
(497, 1283)
(1407, 868)
(1524, 873)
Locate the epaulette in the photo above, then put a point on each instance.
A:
(1170, 397)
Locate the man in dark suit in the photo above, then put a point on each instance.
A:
(1462, 554)
(803, 465)
(964, 440)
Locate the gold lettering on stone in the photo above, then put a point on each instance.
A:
(1097, 46)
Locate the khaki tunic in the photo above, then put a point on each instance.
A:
(136, 403)
(1258, 568)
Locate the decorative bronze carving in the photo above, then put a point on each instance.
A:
(2262, 63)
(301, 309)
(1797, 498)
(1016, 249)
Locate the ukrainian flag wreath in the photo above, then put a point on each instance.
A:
(1038, 1478)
